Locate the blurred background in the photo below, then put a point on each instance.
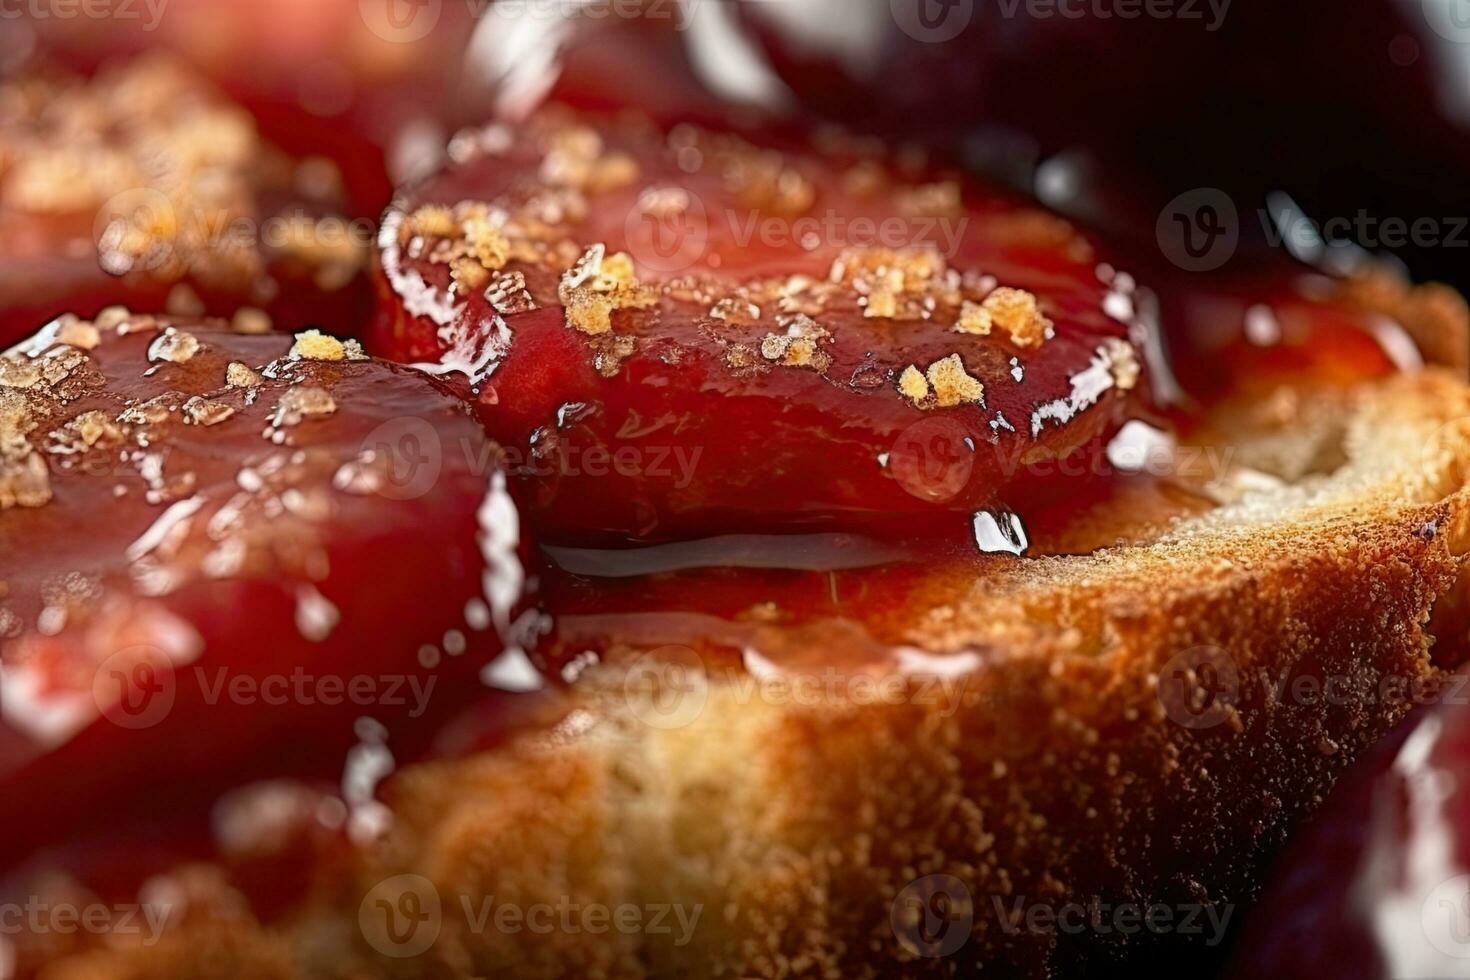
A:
(1214, 133)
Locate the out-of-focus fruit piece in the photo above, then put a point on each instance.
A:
(1378, 884)
(1256, 100)
(686, 331)
(369, 85)
(147, 187)
(218, 550)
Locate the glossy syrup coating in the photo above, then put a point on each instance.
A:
(143, 185)
(219, 550)
(687, 331)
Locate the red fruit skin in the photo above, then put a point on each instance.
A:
(163, 645)
(711, 443)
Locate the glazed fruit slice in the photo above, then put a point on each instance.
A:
(682, 332)
(219, 550)
(143, 185)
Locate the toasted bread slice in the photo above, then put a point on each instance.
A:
(1100, 749)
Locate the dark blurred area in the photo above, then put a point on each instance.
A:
(1111, 110)
(1145, 119)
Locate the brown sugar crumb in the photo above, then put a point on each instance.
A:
(732, 310)
(78, 333)
(795, 352)
(24, 480)
(882, 301)
(571, 155)
(611, 353)
(974, 319)
(904, 284)
(111, 318)
(321, 242)
(1017, 312)
(202, 411)
(1031, 228)
(432, 221)
(913, 386)
(250, 320)
(799, 345)
(944, 384)
(663, 202)
(763, 180)
(87, 431)
(742, 357)
(238, 375)
(613, 171)
(597, 285)
(313, 345)
(150, 412)
(174, 345)
(952, 384)
(468, 274)
(576, 160)
(307, 401)
(589, 313)
(864, 179)
(1122, 363)
(936, 200)
(486, 244)
(183, 301)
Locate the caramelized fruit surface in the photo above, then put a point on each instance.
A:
(217, 550)
(679, 333)
(145, 186)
